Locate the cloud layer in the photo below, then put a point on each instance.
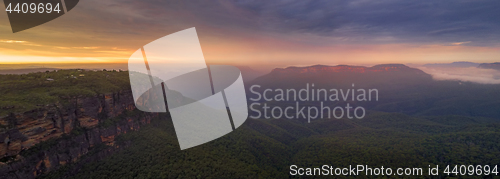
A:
(471, 74)
(263, 27)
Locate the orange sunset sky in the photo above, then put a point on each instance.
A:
(263, 33)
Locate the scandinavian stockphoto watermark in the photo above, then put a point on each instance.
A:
(309, 102)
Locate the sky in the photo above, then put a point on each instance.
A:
(267, 33)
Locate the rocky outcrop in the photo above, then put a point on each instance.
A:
(70, 150)
(51, 121)
(42, 140)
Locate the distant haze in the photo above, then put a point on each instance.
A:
(470, 74)
(460, 71)
(100, 66)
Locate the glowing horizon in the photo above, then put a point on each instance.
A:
(259, 34)
(291, 55)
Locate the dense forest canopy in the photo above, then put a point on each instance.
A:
(24, 92)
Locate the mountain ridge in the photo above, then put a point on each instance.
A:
(460, 64)
(494, 66)
(345, 68)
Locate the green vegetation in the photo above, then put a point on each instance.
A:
(155, 153)
(266, 148)
(22, 93)
(445, 123)
(135, 114)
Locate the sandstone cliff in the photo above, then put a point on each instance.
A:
(42, 140)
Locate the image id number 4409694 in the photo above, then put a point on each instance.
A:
(33, 8)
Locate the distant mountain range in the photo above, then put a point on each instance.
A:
(402, 89)
(344, 75)
(346, 68)
(249, 74)
(464, 64)
(25, 71)
(495, 66)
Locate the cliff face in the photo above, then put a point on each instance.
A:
(65, 132)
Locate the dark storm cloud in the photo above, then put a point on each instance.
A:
(462, 22)
(358, 21)
(401, 21)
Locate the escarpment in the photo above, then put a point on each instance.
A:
(44, 139)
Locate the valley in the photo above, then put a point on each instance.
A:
(83, 124)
